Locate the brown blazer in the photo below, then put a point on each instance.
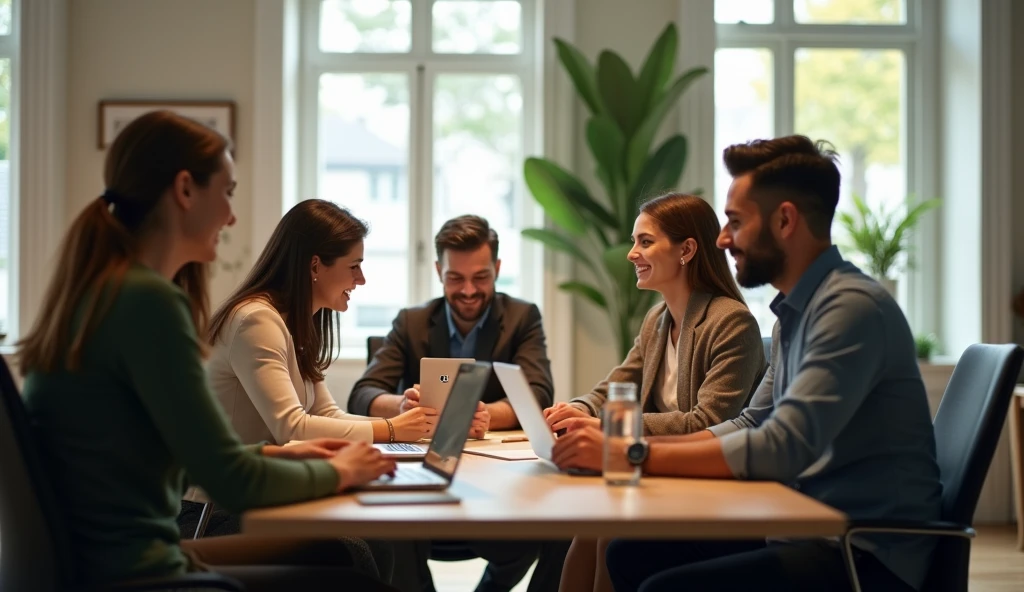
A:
(512, 333)
(721, 362)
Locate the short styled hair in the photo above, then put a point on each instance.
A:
(466, 233)
(794, 169)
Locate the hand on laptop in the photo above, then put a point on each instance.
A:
(414, 424)
(358, 464)
(299, 450)
(410, 399)
(570, 424)
(581, 449)
(562, 411)
(481, 422)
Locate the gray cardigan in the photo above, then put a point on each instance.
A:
(721, 362)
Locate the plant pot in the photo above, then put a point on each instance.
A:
(890, 286)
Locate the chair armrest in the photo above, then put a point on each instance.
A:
(189, 581)
(909, 527)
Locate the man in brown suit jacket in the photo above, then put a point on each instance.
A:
(472, 320)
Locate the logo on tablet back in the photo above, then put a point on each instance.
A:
(444, 379)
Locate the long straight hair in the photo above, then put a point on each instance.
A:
(682, 216)
(281, 276)
(103, 240)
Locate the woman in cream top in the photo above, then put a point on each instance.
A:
(274, 337)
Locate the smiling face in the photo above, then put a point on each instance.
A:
(748, 238)
(334, 283)
(655, 257)
(468, 278)
(208, 209)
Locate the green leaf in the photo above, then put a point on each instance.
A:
(640, 143)
(618, 91)
(587, 291)
(661, 172)
(621, 270)
(657, 68)
(581, 73)
(607, 144)
(554, 240)
(557, 191)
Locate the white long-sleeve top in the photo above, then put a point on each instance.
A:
(255, 373)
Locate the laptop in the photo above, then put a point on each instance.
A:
(442, 458)
(527, 409)
(437, 375)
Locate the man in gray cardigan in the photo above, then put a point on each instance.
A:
(472, 320)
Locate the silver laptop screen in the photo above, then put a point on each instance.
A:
(453, 427)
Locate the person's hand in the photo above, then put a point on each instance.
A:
(562, 411)
(481, 421)
(414, 424)
(410, 399)
(570, 424)
(581, 449)
(359, 463)
(316, 448)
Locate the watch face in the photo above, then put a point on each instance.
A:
(637, 452)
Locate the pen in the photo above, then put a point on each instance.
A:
(515, 439)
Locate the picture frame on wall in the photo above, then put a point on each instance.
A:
(114, 115)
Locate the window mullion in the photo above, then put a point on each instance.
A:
(421, 190)
(784, 13)
(785, 89)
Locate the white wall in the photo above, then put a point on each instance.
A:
(160, 49)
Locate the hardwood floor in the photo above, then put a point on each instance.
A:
(996, 566)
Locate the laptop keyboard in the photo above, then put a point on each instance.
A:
(412, 475)
(401, 447)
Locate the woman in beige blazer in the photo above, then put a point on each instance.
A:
(698, 357)
(273, 339)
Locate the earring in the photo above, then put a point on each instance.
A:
(314, 279)
(682, 262)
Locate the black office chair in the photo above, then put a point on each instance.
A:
(36, 553)
(373, 343)
(967, 427)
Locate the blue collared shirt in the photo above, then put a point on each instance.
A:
(841, 413)
(459, 346)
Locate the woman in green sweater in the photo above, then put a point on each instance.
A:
(114, 381)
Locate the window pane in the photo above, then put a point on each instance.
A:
(5, 17)
(484, 26)
(850, 12)
(364, 165)
(854, 99)
(744, 111)
(5, 188)
(478, 147)
(366, 26)
(753, 12)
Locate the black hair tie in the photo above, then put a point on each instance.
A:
(112, 198)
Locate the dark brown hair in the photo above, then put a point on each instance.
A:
(281, 275)
(466, 233)
(101, 244)
(794, 169)
(682, 216)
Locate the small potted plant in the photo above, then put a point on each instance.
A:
(926, 345)
(882, 235)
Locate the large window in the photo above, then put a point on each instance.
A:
(839, 70)
(415, 112)
(8, 55)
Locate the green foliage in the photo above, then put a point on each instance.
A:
(881, 235)
(926, 346)
(626, 112)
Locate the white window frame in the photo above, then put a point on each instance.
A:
(10, 50)
(917, 39)
(422, 67)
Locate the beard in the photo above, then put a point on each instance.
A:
(457, 303)
(762, 263)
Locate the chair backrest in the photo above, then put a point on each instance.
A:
(373, 343)
(967, 425)
(35, 554)
(766, 342)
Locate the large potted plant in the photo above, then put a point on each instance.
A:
(881, 235)
(626, 112)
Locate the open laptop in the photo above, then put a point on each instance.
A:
(438, 468)
(437, 375)
(527, 409)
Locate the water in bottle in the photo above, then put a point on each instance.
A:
(623, 425)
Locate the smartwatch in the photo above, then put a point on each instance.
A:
(637, 453)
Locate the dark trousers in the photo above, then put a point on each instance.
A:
(813, 565)
(507, 563)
